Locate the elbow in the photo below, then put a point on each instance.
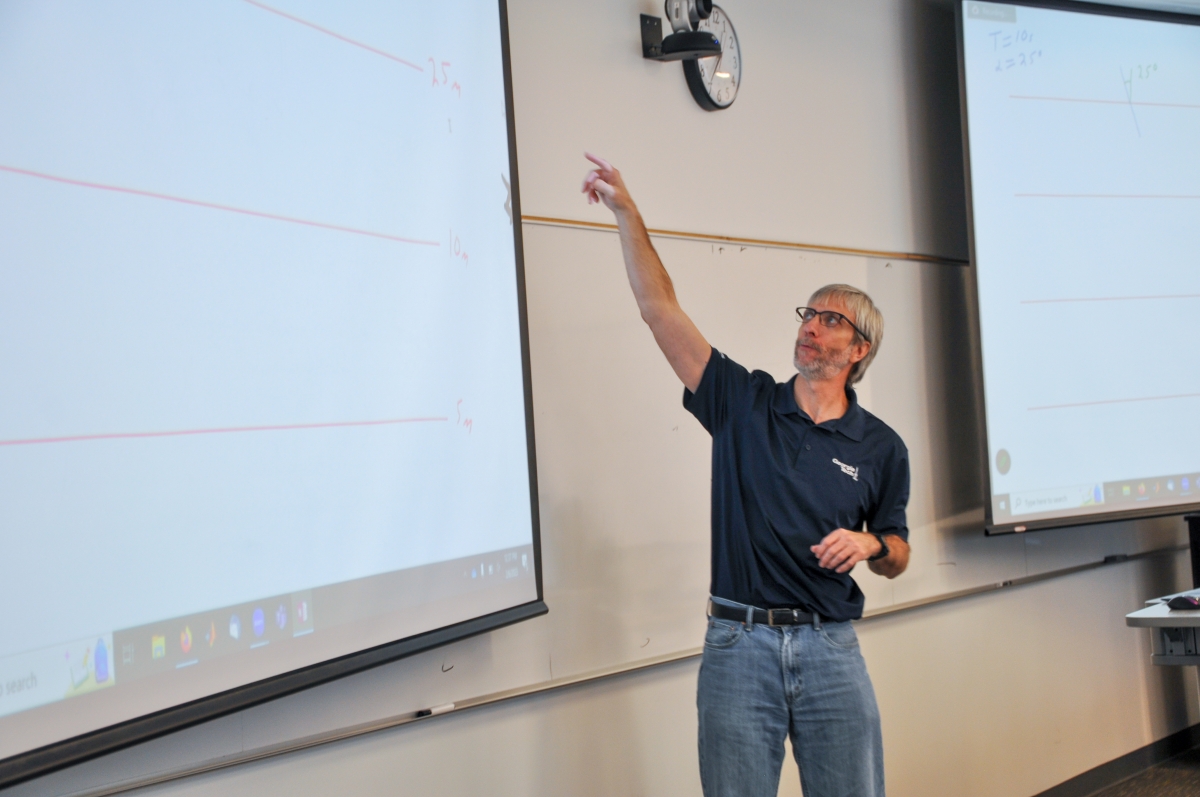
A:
(888, 570)
(653, 313)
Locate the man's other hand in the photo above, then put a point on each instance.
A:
(604, 184)
(842, 549)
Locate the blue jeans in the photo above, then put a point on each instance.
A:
(758, 684)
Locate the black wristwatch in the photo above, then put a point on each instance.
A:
(883, 549)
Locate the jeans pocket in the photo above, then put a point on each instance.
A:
(722, 633)
(840, 635)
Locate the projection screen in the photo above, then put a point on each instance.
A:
(264, 413)
(1081, 128)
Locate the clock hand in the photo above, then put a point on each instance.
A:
(716, 67)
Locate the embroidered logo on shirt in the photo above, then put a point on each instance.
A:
(846, 469)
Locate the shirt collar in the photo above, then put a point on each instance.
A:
(851, 424)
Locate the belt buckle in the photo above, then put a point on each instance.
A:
(794, 613)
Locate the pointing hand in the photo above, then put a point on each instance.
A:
(604, 184)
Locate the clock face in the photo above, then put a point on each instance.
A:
(714, 81)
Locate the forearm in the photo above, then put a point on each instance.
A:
(896, 562)
(652, 286)
(685, 348)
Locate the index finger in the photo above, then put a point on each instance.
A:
(603, 164)
(830, 537)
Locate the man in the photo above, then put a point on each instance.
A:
(798, 470)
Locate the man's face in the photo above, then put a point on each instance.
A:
(822, 352)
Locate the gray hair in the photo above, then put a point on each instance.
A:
(866, 317)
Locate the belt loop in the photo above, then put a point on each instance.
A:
(749, 617)
(816, 621)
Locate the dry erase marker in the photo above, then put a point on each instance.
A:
(442, 709)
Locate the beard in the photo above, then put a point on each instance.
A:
(825, 364)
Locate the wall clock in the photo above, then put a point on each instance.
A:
(704, 39)
(714, 81)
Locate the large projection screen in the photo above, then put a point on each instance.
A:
(1081, 129)
(264, 413)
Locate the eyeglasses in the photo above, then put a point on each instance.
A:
(829, 319)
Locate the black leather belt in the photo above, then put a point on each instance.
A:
(770, 617)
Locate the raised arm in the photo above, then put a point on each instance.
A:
(686, 349)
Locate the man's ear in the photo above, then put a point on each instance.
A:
(861, 350)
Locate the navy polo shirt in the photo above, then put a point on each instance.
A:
(781, 483)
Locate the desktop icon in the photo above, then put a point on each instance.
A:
(185, 639)
(1184, 484)
(302, 614)
(1126, 490)
(1142, 488)
(79, 669)
(158, 647)
(1170, 485)
(281, 617)
(258, 622)
(211, 636)
(100, 661)
(235, 627)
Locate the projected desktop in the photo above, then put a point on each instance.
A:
(264, 402)
(1084, 191)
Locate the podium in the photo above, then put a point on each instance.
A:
(1176, 633)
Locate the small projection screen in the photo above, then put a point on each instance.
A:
(1082, 124)
(264, 389)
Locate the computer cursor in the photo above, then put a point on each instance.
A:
(507, 199)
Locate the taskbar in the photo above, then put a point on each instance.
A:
(110, 658)
(183, 642)
(1097, 498)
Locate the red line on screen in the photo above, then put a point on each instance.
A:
(226, 430)
(1114, 401)
(1104, 102)
(214, 206)
(338, 36)
(1111, 196)
(1113, 298)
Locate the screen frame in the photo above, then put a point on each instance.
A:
(58, 755)
(991, 527)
